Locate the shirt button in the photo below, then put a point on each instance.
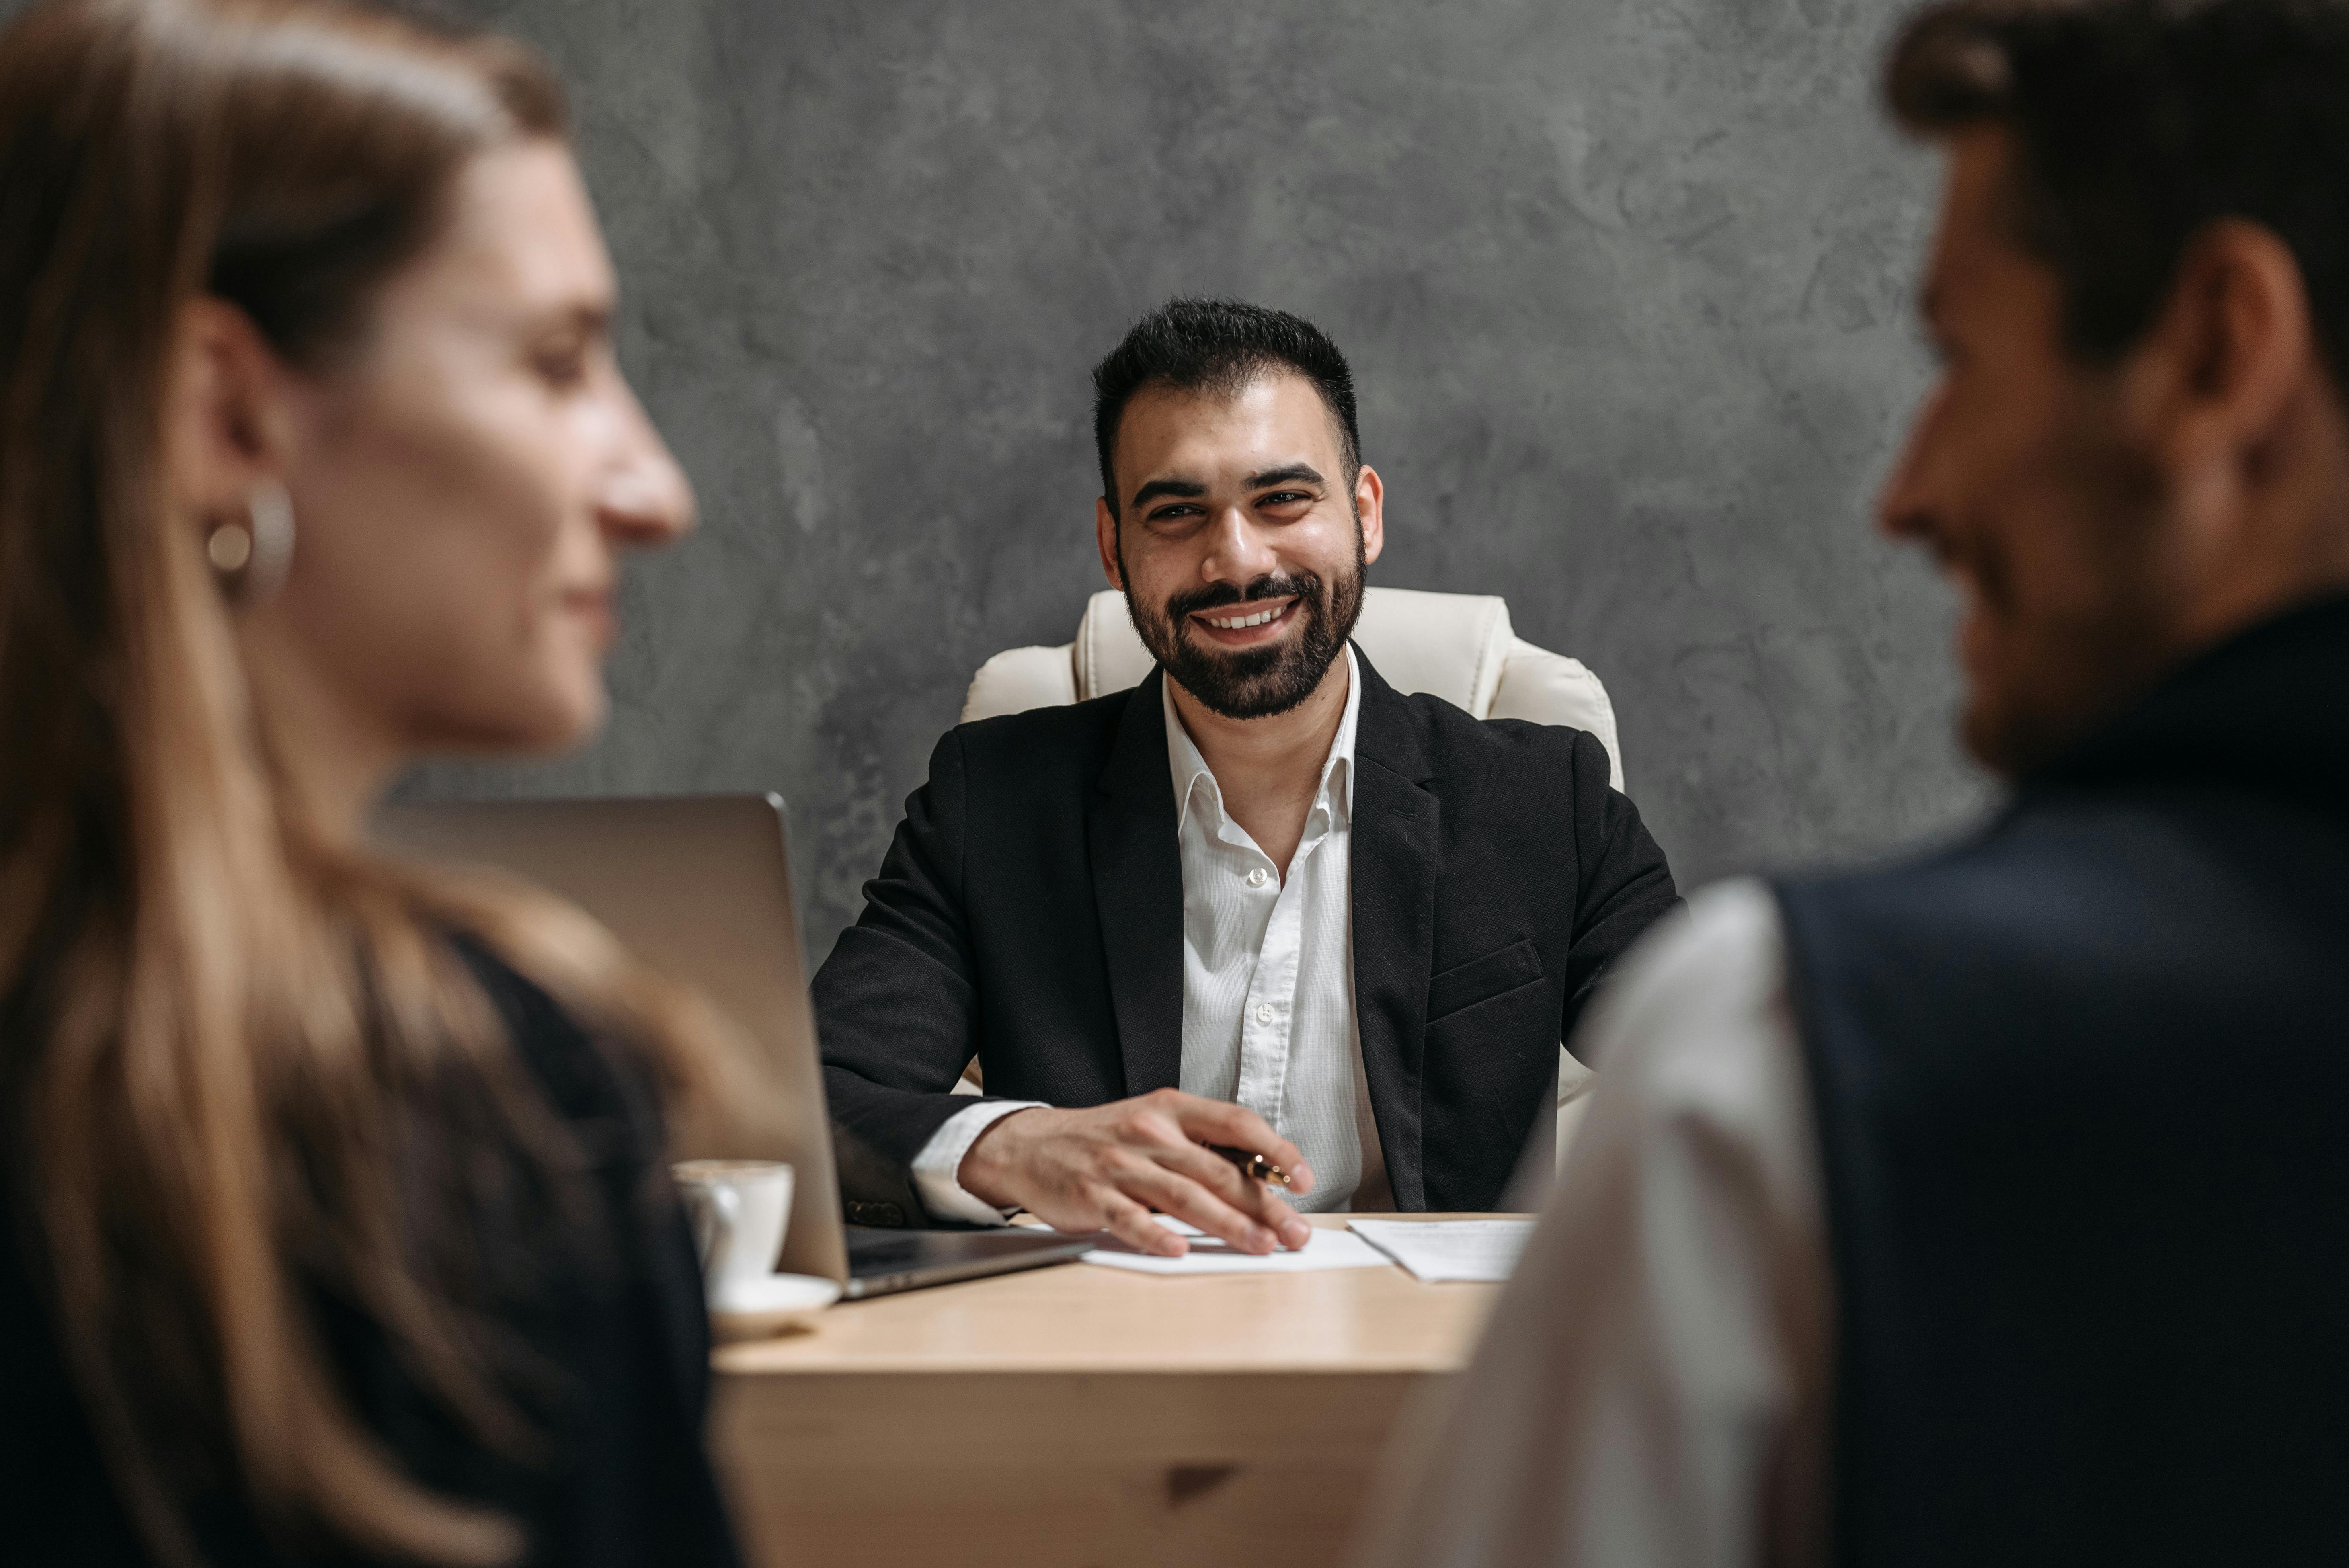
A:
(1264, 1013)
(1256, 876)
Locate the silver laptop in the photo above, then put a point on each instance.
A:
(700, 889)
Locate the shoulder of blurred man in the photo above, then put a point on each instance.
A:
(2088, 1058)
(2236, 762)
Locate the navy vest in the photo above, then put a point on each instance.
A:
(2082, 1085)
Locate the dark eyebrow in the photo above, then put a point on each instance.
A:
(1294, 473)
(1157, 488)
(590, 318)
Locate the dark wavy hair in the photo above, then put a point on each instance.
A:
(2138, 123)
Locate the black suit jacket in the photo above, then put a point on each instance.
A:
(1030, 912)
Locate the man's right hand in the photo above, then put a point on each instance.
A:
(1108, 1166)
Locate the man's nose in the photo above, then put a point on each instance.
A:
(1904, 507)
(1238, 551)
(643, 498)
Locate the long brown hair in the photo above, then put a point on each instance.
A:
(213, 1018)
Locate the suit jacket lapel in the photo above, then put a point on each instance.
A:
(1138, 894)
(1393, 877)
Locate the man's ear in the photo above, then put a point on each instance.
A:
(225, 419)
(1105, 536)
(2230, 353)
(1369, 505)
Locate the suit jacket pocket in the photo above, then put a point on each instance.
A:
(1482, 979)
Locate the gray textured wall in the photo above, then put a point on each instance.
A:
(1624, 282)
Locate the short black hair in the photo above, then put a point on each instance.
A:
(1219, 346)
(2138, 123)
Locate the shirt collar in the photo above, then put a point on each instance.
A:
(1337, 790)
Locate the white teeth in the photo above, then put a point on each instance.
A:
(1245, 621)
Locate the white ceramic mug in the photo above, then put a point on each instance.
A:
(740, 1209)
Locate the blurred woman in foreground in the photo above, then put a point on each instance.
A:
(336, 1223)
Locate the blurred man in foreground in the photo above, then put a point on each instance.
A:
(1992, 1207)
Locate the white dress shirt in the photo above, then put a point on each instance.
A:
(1653, 1384)
(1268, 986)
(1269, 969)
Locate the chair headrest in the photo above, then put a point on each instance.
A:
(1452, 644)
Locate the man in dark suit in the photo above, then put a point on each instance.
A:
(1261, 901)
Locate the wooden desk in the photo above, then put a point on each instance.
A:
(1079, 1416)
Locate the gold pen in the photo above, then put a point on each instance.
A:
(1255, 1166)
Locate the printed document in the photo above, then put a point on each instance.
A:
(1209, 1255)
(1449, 1250)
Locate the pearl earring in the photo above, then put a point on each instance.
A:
(255, 556)
(228, 548)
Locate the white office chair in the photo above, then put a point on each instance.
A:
(1458, 646)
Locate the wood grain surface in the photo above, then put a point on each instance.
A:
(1079, 1416)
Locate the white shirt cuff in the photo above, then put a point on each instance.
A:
(937, 1169)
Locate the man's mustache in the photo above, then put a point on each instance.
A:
(1305, 586)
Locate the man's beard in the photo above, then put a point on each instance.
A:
(2075, 653)
(2070, 676)
(1255, 683)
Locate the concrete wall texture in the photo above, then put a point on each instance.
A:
(1626, 285)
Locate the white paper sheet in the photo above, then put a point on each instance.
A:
(1449, 1250)
(1208, 1254)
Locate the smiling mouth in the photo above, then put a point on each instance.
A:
(1244, 617)
(596, 606)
